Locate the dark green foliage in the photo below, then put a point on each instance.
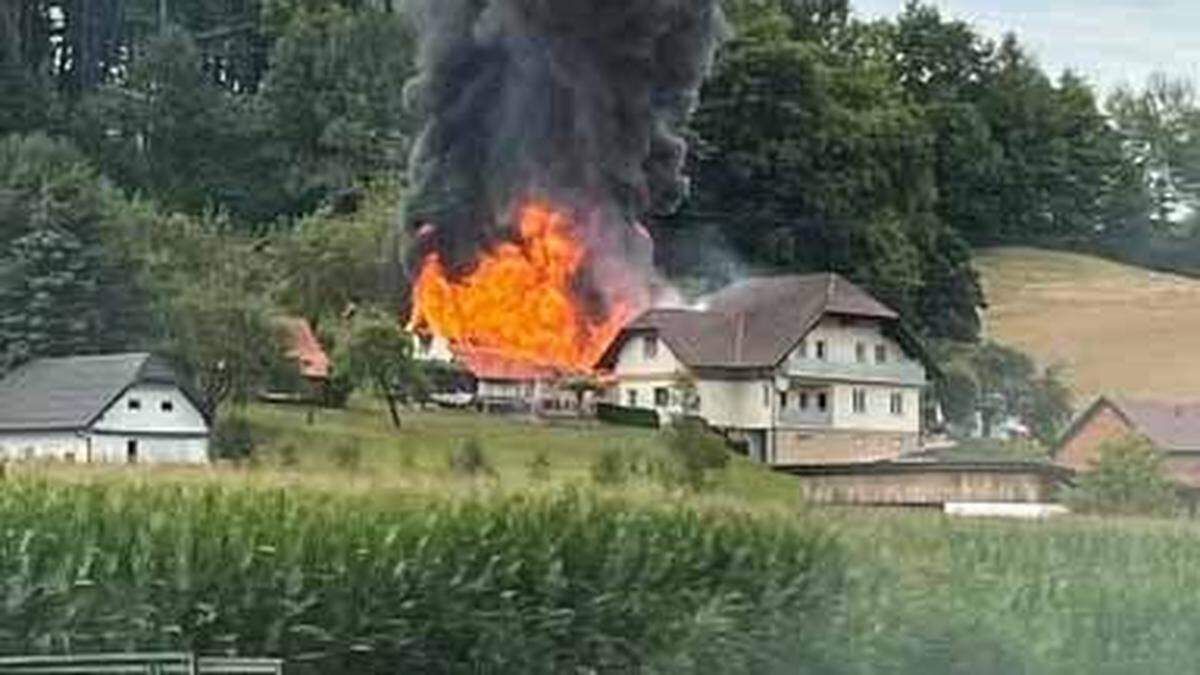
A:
(470, 460)
(611, 468)
(539, 467)
(1128, 479)
(233, 438)
(695, 455)
(348, 456)
(560, 584)
(378, 355)
(632, 417)
(1000, 382)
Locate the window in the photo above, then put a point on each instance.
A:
(860, 353)
(632, 398)
(802, 350)
(135, 404)
(860, 401)
(821, 350)
(766, 389)
(804, 400)
(897, 404)
(881, 355)
(822, 402)
(131, 452)
(662, 397)
(168, 406)
(650, 347)
(783, 400)
(426, 344)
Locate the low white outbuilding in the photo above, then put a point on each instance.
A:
(118, 408)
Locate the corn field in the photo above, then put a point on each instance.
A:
(559, 582)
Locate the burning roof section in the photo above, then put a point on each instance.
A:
(753, 323)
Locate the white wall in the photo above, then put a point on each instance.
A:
(842, 337)
(151, 417)
(878, 416)
(61, 446)
(114, 449)
(737, 403)
(632, 360)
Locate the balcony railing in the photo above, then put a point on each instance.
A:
(806, 418)
(895, 372)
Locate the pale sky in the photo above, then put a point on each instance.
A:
(1108, 41)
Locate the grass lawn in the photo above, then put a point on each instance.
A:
(1119, 329)
(419, 452)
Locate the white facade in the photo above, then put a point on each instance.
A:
(844, 378)
(148, 424)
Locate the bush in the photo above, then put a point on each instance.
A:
(471, 460)
(610, 468)
(233, 439)
(539, 467)
(694, 454)
(629, 417)
(347, 456)
(1127, 479)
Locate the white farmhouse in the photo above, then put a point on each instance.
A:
(802, 369)
(121, 408)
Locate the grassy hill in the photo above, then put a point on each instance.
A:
(1119, 329)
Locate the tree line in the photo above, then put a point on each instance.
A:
(173, 158)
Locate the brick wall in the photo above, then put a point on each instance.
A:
(1082, 447)
(839, 447)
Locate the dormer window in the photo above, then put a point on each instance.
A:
(822, 352)
(650, 347)
(167, 406)
(881, 354)
(135, 404)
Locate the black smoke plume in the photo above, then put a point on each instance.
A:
(580, 102)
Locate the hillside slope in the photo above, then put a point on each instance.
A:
(1118, 329)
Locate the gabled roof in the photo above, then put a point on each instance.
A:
(754, 323)
(1170, 426)
(68, 394)
(304, 348)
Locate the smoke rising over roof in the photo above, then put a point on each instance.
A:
(579, 102)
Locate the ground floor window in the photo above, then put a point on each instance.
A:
(631, 398)
(897, 405)
(131, 452)
(823, 402)
(860, 401)
(662, 397)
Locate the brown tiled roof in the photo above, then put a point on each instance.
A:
(753, 323)
(1170, 426)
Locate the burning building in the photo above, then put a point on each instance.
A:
(551, 129)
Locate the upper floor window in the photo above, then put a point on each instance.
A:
(650, 347)
(783, 400)
(881, 354)
(822, 351)
(860, 353)
(860, 401)
(897, 404)
(802, 350)
(135, 404)
(804, 400)
(167, 406)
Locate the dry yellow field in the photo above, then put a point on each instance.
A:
(1118, 329)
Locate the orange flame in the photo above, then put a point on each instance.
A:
(519, 302)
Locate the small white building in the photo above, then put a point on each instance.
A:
(120, 408)
(801, 369)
